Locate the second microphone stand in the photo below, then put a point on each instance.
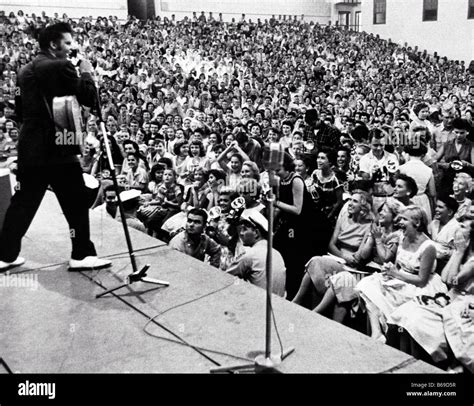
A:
(268, 362)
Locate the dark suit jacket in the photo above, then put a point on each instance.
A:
(52, 77)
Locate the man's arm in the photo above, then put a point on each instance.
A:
(238, 267)
(177, 242)
(83, 87)
(214, 252)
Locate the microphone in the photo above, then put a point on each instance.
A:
(272, 157)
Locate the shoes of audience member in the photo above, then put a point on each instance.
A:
(8, 265)
(88, 264)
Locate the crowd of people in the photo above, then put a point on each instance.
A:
(373, 205)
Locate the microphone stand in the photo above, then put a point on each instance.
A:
(268, 362)
(136, 275)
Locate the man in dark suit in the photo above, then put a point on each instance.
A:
(46, 159)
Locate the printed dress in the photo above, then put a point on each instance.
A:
(383, 295)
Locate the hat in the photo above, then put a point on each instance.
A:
(255, 218)
(131, 194)
(461, 124)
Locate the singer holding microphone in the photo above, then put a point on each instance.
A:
(42, 160)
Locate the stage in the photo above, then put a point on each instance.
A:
(54, 323)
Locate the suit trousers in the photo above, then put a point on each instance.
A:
(67, 182)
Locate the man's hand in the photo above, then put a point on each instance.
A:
(85, 66)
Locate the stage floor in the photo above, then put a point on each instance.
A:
(51, 321)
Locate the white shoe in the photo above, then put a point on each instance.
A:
(88, 263)
(7, 265)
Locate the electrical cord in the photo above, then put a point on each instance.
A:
(276, 331)
(181, 341)
(187, 302)
(168, 330)
(151, 320)
(5, 365)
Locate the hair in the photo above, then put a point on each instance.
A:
(461, 124)
(199, 212)
(426, 138)
(177, 147)
(218, 174)
(53, 33)
(288, 123)
(167, 162)
(136, 155)
(416, 150)
(288, 163)
(366, 202)
(410, 182)
(109, 188)
(311, 116)
(376, 133)
(418, 215)
(173, 172)
(419, 107)
(239, 157)
(253, 166)
(133, 143)
(393, 205)
(155, 168)
(467, 179)
(202, 151)
(308, 161)
(330, 154)
(218, 136)
(449, 201)
(360, 133)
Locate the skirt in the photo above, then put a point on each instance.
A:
(384, 295)
(459, 330)
(425, 325)
(328, 273)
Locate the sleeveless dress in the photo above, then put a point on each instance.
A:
(384, 295)
(297, 237)
(436, 328)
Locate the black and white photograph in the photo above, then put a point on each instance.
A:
(237, 187)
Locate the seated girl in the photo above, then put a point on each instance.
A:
(346, 247)
(165, 203)
(442, 329)
(412, 275)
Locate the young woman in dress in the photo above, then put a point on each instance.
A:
(411, 275)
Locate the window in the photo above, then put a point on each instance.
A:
(430, 10)
(470, 12)
(379, 11)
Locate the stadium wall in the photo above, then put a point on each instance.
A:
(452, 35)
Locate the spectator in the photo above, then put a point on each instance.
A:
(251, 266)
(194, 242)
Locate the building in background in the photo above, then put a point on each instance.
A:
(310, 10)
(73, 8)
(442, 26)
(346, 13)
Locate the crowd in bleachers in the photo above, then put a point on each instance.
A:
(373, 206)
